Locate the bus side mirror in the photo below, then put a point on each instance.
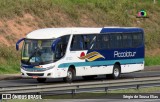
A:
(18, 42)
(53, 46)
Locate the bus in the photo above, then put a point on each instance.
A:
(79, 51)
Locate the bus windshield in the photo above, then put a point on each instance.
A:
(37, 52)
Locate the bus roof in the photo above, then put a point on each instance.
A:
(50, 33)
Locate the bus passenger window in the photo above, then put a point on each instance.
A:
(137, 39)
(89, 41)
(77, 43)
(103, 41)
(61, 47)
(127, 40)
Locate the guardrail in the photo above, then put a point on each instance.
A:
(72, 87)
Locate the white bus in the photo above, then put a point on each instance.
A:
(87, 52)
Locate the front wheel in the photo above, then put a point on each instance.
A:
(70, 75)
(116, 72)
(41, 80)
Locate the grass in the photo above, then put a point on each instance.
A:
(10, 60)
(141, 90)
(62, 13)
(103, 94)
(152, 60)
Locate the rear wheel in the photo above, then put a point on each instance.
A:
(70, 75)
(41, 80)
(116, 72)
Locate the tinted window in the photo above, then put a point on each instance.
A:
(137, 39)
(77, 43)
(61, 47)
(102, 41)
(115, 41)
(83, 42)
(127, 40)
(89, 41)
(106, 41)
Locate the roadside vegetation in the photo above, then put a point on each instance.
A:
(152, 60)
(18, 17)
(103, 94)
(10, 62)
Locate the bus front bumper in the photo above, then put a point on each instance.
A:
(43, 74)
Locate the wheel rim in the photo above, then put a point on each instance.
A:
(69, 75)
(116, 72)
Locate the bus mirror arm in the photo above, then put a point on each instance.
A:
(18, 42)
(53, 46)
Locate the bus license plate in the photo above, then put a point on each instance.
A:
(34, 77)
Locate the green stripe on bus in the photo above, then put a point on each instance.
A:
(102, 63)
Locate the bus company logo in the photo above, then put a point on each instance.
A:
(91, 56)
(142, 14)
(124, 54)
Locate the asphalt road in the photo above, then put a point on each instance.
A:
(23, 82)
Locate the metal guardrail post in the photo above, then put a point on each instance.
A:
(73, 92)
(106, 89)
(38, 93)
(137, 87)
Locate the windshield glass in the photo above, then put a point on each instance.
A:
(37, 52)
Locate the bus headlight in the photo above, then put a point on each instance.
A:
(50, 67)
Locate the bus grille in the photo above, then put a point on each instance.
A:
(35, 74)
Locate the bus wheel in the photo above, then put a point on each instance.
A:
(116, 72)
(41, 80)
(70, 75)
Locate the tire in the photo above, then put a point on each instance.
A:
(41, 80)
(116, 72)
(70, 75)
